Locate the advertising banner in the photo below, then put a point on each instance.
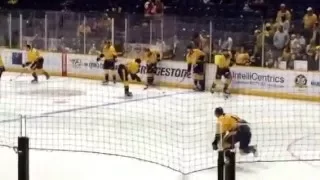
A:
(169, 72)
(256, 78)
(271, 80)
(15, 58)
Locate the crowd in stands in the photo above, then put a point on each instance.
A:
(270, 34)
(287, 41)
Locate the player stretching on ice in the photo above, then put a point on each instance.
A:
(223, 62)
(35, 61)
(231, 130)
(195, 60)
(151, 58)
(2, 69)
(108, 56)
(131, 68)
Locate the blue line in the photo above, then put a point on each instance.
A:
(111, 104)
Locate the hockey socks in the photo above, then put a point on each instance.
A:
(126, 91)
(35, 77)
(114, 77)
(46, 74)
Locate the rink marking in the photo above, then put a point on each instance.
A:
(111, 104)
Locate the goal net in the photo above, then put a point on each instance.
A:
(173, 128)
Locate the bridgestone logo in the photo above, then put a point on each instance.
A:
(257, 77)
(172, 72)
(161, 71)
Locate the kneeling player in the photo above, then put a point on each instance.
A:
(223, 62)
(35, 61)
(195, 60)
(231, 130)
(2, 69)
(131, 68)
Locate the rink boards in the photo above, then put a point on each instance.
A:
(246, 80)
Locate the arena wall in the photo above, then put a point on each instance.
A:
(300, 85)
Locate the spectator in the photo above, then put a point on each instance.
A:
(242, 57)
(283, 12)
(227, 43)
(301, 40)
(284, 22)
(294, 44)
(83, 28)
(158, 7)
(149, 8)
(269, 33)
(280, 39)
(93, 50)
(313, 61)
(269, 58)
(309, 20)
(316, 34)
(258, 42)
(287, 57)
(197, 40)
(297, 46)
(310, 49)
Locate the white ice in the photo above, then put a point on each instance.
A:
(172, 127)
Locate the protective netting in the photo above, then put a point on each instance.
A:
(10, 129)
(172, 128)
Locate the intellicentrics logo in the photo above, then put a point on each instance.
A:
(249, 76)
(258, 79)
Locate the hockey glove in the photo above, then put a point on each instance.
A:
(189, 67)
(115, 58)
(215, 142)
(214, 146)
(26, 64)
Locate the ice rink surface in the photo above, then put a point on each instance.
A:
(171, 127)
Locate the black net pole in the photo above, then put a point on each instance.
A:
(220, 165)
(23, 158)
(230, 166)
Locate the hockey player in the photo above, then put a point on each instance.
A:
(35, 62)
(131, 68)
(223, 62)
(151, 58)
(109, 56)
(195, 60)
(2, 68)
(230, 130)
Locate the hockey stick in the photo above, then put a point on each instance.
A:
(16, 77)
(182, 80)
(184, 77)
(19, 75)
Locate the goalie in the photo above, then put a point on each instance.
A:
(231, 130)
(35, 62)
(131, 68)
